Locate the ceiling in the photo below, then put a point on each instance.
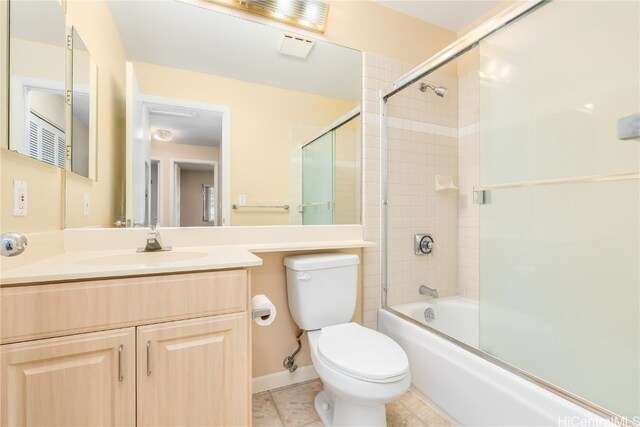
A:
(190, 126)
(38, 21)
(180, 35)
(453, 15)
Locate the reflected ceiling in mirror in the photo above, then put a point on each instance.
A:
(210, 42)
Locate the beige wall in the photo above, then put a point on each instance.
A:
(271, 344)
(503, 5)
(167, 151)
(260, 121)
(4, 82)
(191, 183)
(369, 27)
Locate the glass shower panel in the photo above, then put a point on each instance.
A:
(554, 85)
(347, 173)
(318, 181)
(560, 260)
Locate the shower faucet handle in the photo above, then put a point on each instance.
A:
(423, 244)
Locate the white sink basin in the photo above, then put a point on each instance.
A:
(143, 258)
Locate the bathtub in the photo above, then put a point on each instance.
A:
(456, 317)
(462, 384)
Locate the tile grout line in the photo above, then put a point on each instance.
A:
(275, 405)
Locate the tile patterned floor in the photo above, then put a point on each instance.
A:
(293, 406)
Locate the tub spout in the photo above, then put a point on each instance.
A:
(425, 290)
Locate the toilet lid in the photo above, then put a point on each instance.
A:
(362, 353)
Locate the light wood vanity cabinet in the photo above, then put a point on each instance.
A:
(146, 368)
(193, 372)
(82, 380)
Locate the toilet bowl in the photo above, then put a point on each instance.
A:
(356, 388)
(361, 369)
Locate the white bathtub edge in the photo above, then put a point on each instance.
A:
(473, 391)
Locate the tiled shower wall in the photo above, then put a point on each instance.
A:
(422, 147)
(428, 136)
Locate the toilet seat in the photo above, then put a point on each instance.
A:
(362, 353)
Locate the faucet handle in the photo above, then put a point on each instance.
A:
(13, 244)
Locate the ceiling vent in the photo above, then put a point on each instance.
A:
(295, 45)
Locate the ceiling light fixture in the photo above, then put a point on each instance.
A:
(308, 14)
(162, 135)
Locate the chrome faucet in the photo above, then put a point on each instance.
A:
(425, 290)
(154, 241)
(13, 244)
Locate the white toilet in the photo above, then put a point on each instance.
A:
(361, 369)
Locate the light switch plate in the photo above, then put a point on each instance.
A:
(19, 198)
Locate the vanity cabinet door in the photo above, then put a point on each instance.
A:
(194, 372)
(80, 380)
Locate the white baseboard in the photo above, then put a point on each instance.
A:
(283, 378)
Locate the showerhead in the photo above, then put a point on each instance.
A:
(441, 91)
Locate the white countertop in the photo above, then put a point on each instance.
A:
(70, 254)
(105, 264)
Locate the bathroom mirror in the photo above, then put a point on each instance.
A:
(43, 125)
(217, 118)
(82, 81)
(37, 81)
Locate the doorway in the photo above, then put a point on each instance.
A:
(195, 193)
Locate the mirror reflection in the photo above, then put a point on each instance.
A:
(37, 81)
(82, 139)
(217, 118)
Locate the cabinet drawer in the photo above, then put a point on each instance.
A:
(32, 312)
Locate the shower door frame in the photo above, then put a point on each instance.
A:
(450, 53)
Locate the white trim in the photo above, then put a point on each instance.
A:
(224, 193)
(283, 379)
(20, 87)
(160, 195)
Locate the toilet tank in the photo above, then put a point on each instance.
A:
(322, 288)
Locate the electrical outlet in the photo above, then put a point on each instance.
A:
(85, 205)
(19, 198)
(242, 199)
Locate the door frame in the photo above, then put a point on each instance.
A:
(160, 186)
(174, 186)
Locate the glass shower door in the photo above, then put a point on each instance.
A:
(560, 223)
(318, 181)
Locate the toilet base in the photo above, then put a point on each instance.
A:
(339, 412)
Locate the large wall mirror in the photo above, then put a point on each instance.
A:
(46, 59)
(203, 118)
(228, 123)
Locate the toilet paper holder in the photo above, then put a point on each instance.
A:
(260, 312)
